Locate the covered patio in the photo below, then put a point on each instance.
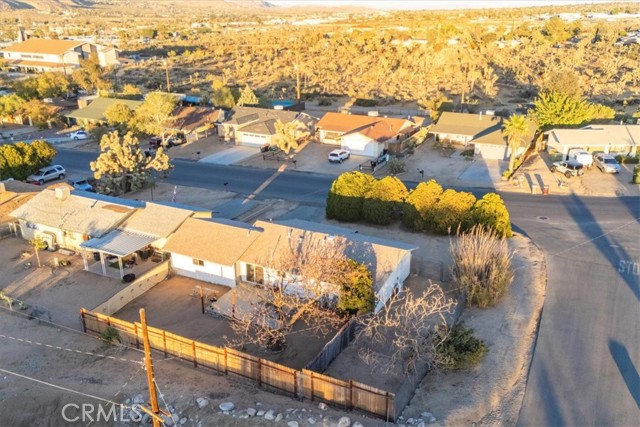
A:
(119, 253)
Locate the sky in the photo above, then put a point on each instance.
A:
(433, 4)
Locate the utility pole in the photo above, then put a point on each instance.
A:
(157, 421)
(166, 69)
(297, 68)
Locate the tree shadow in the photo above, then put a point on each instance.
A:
(629, 373)
(608, 246)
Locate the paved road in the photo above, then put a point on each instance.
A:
(587, 358)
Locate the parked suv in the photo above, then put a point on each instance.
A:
(569, 168)
(606, 163)
(338, 156)
(48, 173)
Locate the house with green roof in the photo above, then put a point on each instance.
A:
(94, 112)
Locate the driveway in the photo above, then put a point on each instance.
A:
(311, 158)
(483, 173)
(232, 155)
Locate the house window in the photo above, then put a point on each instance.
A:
(198, 262)
(255, 274)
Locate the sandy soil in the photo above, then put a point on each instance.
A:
(492, 393)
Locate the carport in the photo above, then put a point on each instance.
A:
(121, 244)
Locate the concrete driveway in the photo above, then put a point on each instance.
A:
(231, 155)
(483, 173)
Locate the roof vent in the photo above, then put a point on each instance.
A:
(372, 114)
(490, 112)
(289, 233)
(62, 192)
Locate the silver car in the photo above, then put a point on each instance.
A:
(606, 163)
(48, 173)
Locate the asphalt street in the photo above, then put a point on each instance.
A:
(585, 369)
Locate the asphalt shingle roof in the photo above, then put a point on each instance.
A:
(95, 110)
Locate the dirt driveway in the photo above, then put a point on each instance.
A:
(56, 294)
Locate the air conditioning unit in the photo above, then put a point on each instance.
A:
(372, 114)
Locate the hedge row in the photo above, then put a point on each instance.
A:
(355, 196)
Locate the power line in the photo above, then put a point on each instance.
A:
(63, 388)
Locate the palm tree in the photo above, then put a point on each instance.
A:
(516, 128)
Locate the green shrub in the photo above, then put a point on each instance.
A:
(396, 166)
(491, 212)
(383, 202)
(357, 296)
(110, 335)
(481, 265)
(469, 152)
(418, 208)
(324, 101)
(460, 349)
(627, 160)
(362, 102)
(20, 160)
(450, 212)
(346, 197)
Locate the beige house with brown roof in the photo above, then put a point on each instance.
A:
(363, 135)
(56, 55)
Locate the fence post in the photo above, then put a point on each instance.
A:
(386, 404)
(135, 331)
(259, 372)
(164, 342)
(350, 407)
(295, 384)
(311, 382)
(225, 360)
(84, 326)
(195, 359)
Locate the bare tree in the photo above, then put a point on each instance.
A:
(301, 283)
(407, 331)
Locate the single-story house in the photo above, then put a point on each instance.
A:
(363, 135)
(194, 122)
(388, 261)
(484, 131)
(209, 250)
(68, 220)
(94, 111)
(253, 127)
(616, 139)
(146, 230)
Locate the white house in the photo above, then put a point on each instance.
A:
(363, 135)
(615, 139)
(70, 219)
(389, 261)
(56, 55)
(209, 250)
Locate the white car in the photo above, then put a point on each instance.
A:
(606, 163)
(339, 156)
(581, 156)
(79, 134)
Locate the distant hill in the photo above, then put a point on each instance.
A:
(61, 5)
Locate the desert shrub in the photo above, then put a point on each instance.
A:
(346, 196)
(481, 265)
(363, 102)
(450, 211)
(491, 212)
(324, 101)
(110, 335)
(460, 349)
(396, 166)
(627, 160)
(20, 160)
(383, 202)
(418, 208)
(357, 296)
(468, 152)
(636, 175)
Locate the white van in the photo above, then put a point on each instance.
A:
(581, 156)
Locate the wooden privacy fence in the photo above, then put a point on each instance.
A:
(333, 348)
(300, 384)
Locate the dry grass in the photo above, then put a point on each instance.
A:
(481, 266)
